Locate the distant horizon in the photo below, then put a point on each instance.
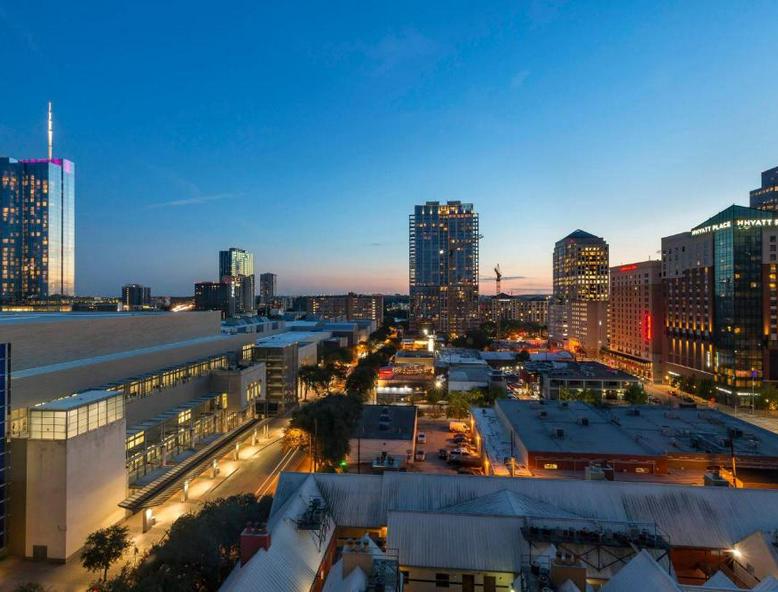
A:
(311, 149)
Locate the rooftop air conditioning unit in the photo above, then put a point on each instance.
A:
(559, 433)
(584, 421)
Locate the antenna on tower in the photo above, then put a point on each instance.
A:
(51, 134)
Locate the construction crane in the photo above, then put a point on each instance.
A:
(498, 277)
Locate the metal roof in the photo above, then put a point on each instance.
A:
(75, 401)
(705, 517)
(642, 574)
(457, 541)
(386, 422)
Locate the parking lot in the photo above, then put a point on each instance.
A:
(438, 436)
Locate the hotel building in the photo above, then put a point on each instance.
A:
(722, 312)
(443, 266)
(267, 287)
(636, 319)
(578, 311)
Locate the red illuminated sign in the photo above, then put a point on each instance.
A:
(624, 268)
(648, 329)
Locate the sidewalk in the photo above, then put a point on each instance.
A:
(256, 470)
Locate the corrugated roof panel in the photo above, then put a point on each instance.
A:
(457, 541)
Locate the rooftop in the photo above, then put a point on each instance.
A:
(9, 318)
(644, 430)
(76, 401)
(291, 338)
(587, 371)
(387, 422)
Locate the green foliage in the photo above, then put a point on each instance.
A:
(588, 396)
(329, 423)
(319, 378)
(767, 398)
(341, 355)
(30, 587)
(635, 395)
(199, 551)
(459, 403)
(706, 388)
(475, 339)
(103, 547)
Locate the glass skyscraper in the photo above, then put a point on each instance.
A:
(443, 267)
(37, 229)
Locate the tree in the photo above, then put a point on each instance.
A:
(199, 551)
(634, 394)
(30, 587)
(590, 397)
(565, 394)
(475, 339)
(706, 388)
(328, 423)
(103, 547)
(767, 398)
(459, 403)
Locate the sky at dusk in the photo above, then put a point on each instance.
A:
(306, 132)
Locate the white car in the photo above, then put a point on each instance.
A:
(421, 438)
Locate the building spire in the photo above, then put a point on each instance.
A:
(51, 135)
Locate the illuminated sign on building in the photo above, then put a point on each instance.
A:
(744, 224)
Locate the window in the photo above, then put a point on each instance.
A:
(468, 583)
(551, 466)
(490, 584)
(441, 580)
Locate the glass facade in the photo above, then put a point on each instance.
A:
(443, 270)
(37, 234)
(5, 405)
(58, 421)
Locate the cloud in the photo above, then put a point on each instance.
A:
(395, 51)
(519, 78)
(191, 201)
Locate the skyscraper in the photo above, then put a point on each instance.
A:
(37, 229)
(578, 312)
(267, 287)
(766, 197)
(443, 268)
(236, 267)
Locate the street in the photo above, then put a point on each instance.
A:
(256, 471)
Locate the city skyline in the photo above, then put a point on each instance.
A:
(526, 112)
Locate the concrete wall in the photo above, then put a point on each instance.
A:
(140, 410)
(70, 488)
(236, 382)
(53, 382)
(365, 450)
(69, 336)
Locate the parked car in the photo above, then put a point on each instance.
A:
(421, 438)
(443, 453)
(458, 426)
(460, 438)
(421, 456)
(470, 471)
(464, 461)
(461, 452)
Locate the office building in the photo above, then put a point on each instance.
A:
(444, 267)
(766, 197)
(37, 230)
(424, 532)
(347, 307)
(267, 288)
(103, 402)
(721, 292)
(135, 297)
(578, 310)
(636, 323)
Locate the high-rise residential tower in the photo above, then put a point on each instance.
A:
(135, 296)
(236, 267)
(578, 312)
(766, 197)
(267, 287)
(37, 229)
(444, 267)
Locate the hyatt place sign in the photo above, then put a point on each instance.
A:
(744, 224)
